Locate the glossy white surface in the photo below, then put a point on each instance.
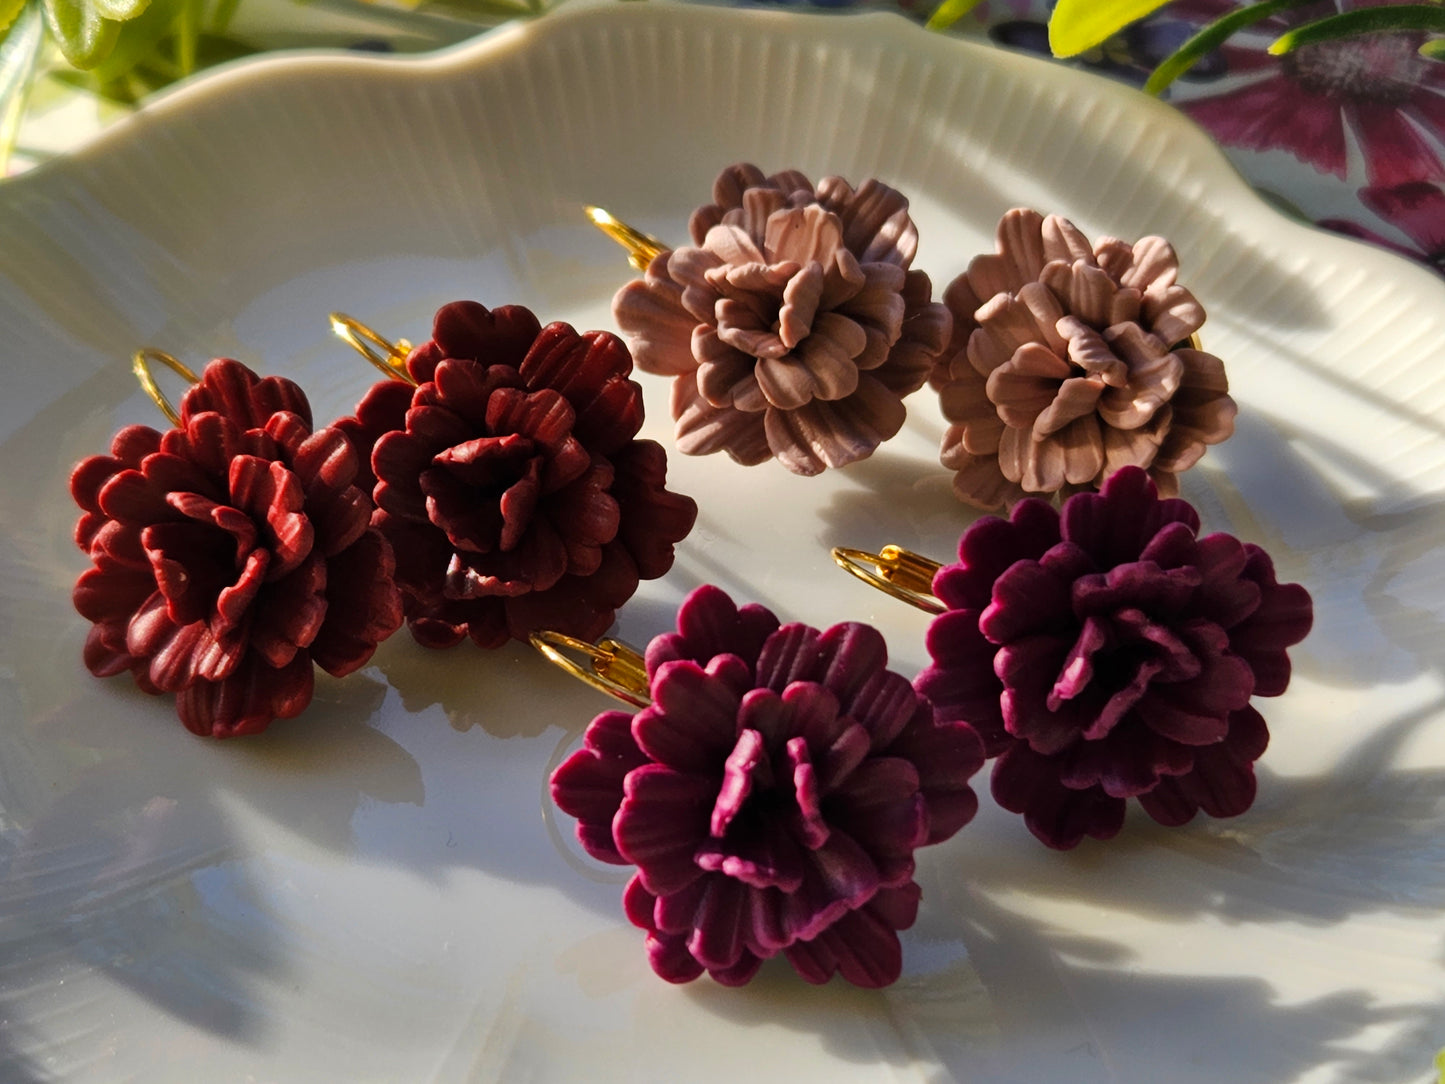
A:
(376, 891)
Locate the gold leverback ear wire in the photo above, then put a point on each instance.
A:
(617, 669)
(140, 364)
(392, 357)
(899, 572)
(641, 248)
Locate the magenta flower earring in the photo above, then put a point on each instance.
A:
(770, 793)
(1104, 652)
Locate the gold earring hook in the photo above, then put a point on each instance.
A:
(617, 669)
(140, 364)
(641, 248)
(392, 357)
(899, 572)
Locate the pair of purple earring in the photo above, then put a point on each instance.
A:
(778, 779)
(491, 486)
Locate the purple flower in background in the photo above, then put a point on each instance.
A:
(1416, 209)
(771, 797)
(1362, 116)
(1105, 652)
(1374, 90)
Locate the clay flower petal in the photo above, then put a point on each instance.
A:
(231, 555)
(510, 481)
(1084, 346)
(771, 797)
(1107, 652)
(791, 295)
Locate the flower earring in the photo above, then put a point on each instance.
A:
(792, 326)
(1070, 361)
(508, 477)
(231, 553)
(1104, 652)
(771, 792)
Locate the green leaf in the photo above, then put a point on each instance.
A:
(85, 36)
(948, 13)
(119, 10)
(19, 54)
(1362, 21)
(1210, 38)
(188, 29)
(141, 42)
(9, 11)
(1077, 25)
(221, 16)
(1434, 49)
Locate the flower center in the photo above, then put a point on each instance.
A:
(482, 492)
(760, 791)
(1379, 68)
(1125, 642)
(752, 325)
(194, 562)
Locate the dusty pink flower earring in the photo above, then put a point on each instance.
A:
(770, 793)
(792, 326)
(1104, 652)
(508, 477)
(231, 553)
(1070, 361)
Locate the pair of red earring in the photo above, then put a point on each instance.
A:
(777, 781)
(491, 486)
(795, 325)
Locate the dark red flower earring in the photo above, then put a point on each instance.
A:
(793, 326)
(231, 553)
(1104, 652)
(509, 478)
(771, 791)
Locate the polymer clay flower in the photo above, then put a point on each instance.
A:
(230, 555)
(792, 326)
(1068, 362)
(771, 797)
(510, 482)
(1106, 652)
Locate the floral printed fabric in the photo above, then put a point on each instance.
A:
(1349, 135)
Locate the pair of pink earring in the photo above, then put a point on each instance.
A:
(777, 781)
(794, 326)
(491, 486)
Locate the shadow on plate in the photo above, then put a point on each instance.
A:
(1004, 998)
(1380, 608)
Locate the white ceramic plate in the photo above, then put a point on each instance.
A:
(376, 890)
